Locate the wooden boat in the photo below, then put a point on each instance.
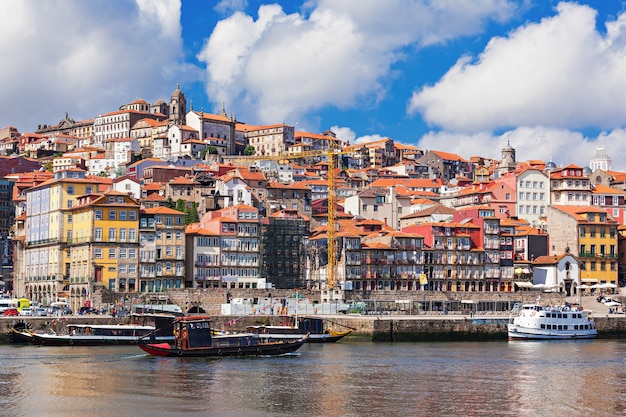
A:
(194, 337)
(97, 335)
(21, 333)
(295, 327)
(535, 321)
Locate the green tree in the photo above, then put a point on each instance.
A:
(212, 150)
(249, 150)
(181, 205)
(170, 203)
(48, 166)
(191, 214)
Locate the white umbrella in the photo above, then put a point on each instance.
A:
(583, 287)
(612, 304)
(609, 285)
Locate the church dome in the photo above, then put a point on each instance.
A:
(600, 155)
(178, 92)
(550, 166)
(587, 171)
(159, 102)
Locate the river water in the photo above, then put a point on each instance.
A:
(349, 378)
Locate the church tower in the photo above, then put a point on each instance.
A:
(508, 159)
(600, 160)
(178, 107)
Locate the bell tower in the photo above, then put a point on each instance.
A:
(178, 107)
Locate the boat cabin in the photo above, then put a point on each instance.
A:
(195, 332)
(108, 331)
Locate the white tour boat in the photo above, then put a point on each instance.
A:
(535, 321)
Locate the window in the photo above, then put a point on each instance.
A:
(98, 214)
(112, 215)
(112, 253)
(70, 189)
(122, 215)
(123, 253)
(97, 234)
(112, 233)
(97, 253)
(132, 215)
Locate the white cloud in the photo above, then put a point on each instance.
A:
(560, 72)
(344, 134)
(228, 6)
(85, 58)
(548, 144)
(278, 67)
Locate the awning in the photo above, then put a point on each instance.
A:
(589, 279)
(519, 271)
(526, 271)
(523, 284)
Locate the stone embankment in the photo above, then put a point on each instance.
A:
(389, 328)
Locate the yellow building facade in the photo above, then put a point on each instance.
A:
(42, 273)
(102, 238)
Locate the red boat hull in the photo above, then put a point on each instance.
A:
(261, 349)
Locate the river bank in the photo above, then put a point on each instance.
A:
(394, 328)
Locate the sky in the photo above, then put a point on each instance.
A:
(462, 76)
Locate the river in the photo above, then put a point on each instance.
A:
(349, 378)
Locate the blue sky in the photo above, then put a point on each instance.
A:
(463, 76)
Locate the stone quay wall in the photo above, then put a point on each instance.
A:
(370, 328)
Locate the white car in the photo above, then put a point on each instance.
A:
(26, 311)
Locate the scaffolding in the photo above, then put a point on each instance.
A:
(284, 256)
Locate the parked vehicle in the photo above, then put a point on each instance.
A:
(26, 311)
(86, 310)
(41, 311)
(11, 312)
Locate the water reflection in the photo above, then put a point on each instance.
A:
(584, 378)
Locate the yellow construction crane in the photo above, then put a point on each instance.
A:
(332, 154)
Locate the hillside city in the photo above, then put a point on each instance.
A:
(153, 197)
